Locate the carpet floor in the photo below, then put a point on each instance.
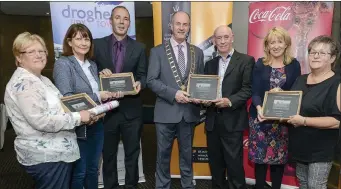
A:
(12, 176)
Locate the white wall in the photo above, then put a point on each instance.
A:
(240, 22)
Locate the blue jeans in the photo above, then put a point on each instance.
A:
(85, 171)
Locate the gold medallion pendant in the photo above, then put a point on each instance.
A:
(183, 87)
(276, 89)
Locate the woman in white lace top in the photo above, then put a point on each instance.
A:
(46, 143)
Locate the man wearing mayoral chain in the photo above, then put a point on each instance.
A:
(176, 114)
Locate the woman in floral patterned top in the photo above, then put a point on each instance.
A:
(46, 143)
(268, 140)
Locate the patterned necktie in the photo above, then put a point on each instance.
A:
(181, 60)
(118, 57)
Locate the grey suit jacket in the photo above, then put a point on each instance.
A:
(161, 81)
(70, 79)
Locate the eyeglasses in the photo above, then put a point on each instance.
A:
(320, 54)
(32, 53)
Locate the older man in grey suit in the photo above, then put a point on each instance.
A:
(175, 112)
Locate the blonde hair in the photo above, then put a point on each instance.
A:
(24, 40)
(282, 34)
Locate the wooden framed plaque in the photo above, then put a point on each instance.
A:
(77, 102)
(281, 104)
(123, 82)
(203, 87)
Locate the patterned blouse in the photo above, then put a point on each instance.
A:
(45, 133)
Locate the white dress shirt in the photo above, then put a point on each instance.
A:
(86, 69)
(223, 64)
(45, 133)
(175, 47)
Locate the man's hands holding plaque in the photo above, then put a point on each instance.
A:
(137, 86)
(106, 95)
(222, 102)
(182, 97)
(219, 102)
(105, 72)
(117, 82)
(207, 103)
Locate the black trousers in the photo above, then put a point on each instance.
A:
(276, 173)
(225, 153)
(130, 130)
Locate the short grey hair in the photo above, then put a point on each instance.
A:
(172, 17)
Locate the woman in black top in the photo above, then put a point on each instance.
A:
(315, 130)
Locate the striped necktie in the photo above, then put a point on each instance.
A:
(181, 60)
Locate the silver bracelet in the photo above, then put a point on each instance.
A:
(305, 121)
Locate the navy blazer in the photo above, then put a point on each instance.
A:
(261, 81)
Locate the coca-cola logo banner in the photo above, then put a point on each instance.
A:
(303, 20)
(277, 14)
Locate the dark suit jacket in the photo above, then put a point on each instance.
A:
(134, 61)
(236, 86)
(261, 81)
